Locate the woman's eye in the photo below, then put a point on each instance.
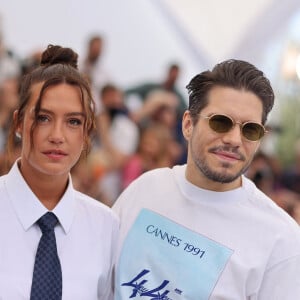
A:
(42, 118)
(75, 122)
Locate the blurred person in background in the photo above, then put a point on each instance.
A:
(92, 65)
(10, 67)
(116, 140)
(167, 116)
(155, 150)
(10, 71)
(8, 104)
(291, 174)
(31, 61)
(9, 100)
(140, 92)
(161, 107)
(266, 175)
(140, 98)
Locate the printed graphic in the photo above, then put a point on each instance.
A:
(162, 260)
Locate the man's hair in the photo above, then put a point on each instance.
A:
(94, 38)
(232, 73)
(109, 87)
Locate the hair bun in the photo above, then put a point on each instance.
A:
(55, 54)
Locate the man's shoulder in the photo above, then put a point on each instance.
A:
(266, 208)
(156, 176)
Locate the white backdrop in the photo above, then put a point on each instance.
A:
(143, 36)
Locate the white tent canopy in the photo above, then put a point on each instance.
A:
(143, 36)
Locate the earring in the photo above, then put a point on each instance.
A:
(18, 135)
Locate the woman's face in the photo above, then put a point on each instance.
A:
(58, 138)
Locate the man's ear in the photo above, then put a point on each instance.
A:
(187, 125)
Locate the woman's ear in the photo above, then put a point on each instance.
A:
(19, 125)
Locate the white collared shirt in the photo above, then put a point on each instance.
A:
(86, 241)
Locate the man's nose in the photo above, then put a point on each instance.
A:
(234, 135)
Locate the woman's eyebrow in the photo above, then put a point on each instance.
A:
(79, 114)
(67, 114)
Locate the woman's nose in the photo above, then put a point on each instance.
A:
(56, 134)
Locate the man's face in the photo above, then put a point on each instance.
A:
(95, 50)
(113, 99)
(173, 75)
(216, 160)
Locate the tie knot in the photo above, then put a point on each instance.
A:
(47, 222)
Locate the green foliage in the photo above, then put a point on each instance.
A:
(290, 123)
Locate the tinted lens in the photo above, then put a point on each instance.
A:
(250, 130)
(220, 123)
(253, 131)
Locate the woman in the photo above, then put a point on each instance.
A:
(54, 121)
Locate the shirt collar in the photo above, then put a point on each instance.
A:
(27, 206)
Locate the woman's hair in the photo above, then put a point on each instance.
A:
(58, 65)
(236, 74)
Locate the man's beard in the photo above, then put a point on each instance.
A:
(221, 177)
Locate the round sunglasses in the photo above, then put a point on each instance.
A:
(221, 124)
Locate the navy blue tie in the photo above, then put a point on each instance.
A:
(47, 277)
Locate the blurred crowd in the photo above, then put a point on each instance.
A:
(138, 129)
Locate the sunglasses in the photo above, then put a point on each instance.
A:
(221, 124)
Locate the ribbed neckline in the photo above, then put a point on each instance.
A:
(196, 194)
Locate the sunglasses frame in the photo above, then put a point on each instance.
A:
(241, 125)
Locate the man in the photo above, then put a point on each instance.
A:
(169, 84)
(118, 136)
(203, 230)
(143, 100)
(93, 65)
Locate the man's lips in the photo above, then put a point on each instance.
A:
(228, 155)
